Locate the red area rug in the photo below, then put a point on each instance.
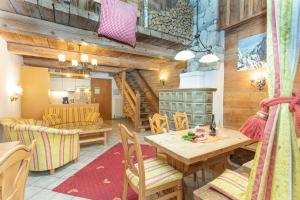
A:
(103, 178)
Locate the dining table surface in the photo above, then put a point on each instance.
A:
(187, 152)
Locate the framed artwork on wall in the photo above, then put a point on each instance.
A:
(252, 52)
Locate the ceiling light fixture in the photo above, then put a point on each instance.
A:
(188, 54)
(61, 58)
(94, 62)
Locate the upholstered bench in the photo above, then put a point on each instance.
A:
(72, 115)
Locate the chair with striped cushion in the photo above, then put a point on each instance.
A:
(150, 176)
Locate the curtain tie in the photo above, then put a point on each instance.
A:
(255, 125)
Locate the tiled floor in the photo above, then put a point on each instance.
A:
(40, 184)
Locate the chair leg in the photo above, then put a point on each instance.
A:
(179, 190)
(125, 189)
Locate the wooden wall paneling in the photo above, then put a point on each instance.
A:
(241, 99)
(263, 4)
(234, 11)
(250, 8)
(242, 5)
(222, 9)
(246, 8)
(228, 12)
(257, 6)
(152, 78)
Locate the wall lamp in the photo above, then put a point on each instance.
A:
(258, 80)
(16, 93)
(163, 78)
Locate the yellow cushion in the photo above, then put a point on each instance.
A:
(92, 117)
(231, 184)
(52, 120)
(157, 173)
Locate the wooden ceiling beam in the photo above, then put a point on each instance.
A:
(26, 25)
(44, 52)
(54, 64)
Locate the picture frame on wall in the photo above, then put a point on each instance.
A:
(252, 52)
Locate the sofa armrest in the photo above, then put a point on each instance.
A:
(48, 130)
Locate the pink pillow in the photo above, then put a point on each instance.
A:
(118, 21)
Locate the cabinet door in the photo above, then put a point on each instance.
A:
(56, 84)
(69, 84)
(83, 83)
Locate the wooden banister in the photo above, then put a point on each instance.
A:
(132, 100)
(137, 111)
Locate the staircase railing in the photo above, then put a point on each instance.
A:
(131, 100)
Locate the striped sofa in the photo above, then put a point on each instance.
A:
(73, 116)
(54, 147)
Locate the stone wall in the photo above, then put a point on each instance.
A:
(176, 21)
(208, 25)
(210, 36)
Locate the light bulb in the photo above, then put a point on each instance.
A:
(94, 62)
(74, 63)
(84, 58)
(61, 58)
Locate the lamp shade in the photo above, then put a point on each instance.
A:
(184, 55)
(209, 58)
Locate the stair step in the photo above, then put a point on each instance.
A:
(144, 119)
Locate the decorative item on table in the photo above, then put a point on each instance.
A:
(213, 126)
(196, 136)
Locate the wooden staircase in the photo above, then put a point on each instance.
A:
(138, 98)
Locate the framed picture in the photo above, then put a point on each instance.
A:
(252, 52)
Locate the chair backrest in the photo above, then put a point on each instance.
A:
(181, 121)
(158, 123)
(132, 149)
(14, 167)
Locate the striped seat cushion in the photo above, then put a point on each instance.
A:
(231, 184)
(157, 173)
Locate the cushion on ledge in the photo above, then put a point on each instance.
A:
(231, 184)
(92, 117)
(118, 21)
(52, 120)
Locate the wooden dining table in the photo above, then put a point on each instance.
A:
(188, 157)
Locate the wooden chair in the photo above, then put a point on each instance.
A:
(141, 179)
(181, 121)
(14, 167)
(158, 123)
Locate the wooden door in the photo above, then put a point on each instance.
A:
(102, 94)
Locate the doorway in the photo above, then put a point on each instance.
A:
(102, 94)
